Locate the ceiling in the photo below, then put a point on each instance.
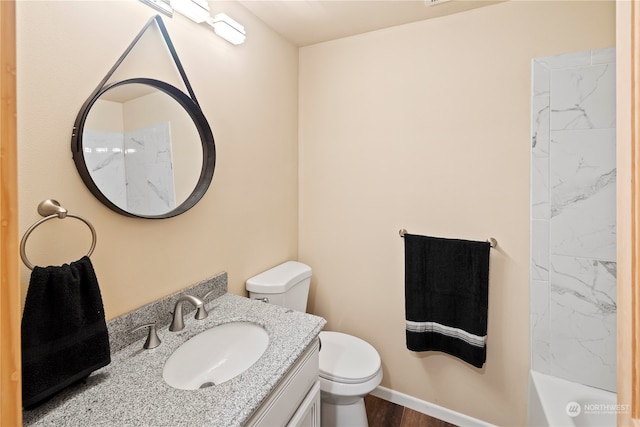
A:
(305, 22)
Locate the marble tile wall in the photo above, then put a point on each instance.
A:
(573, 217)
(104, 157)
(135, 169)
(149, 167)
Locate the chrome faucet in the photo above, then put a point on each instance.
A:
(177, 324)
(152, 337)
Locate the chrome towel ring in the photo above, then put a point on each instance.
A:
(50, 209)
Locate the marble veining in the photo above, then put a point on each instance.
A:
(540, 126)
(573, 217)
(131, 392)
(104, 156)
(540, 327)
(149, 167)
(581, 97)
(540, 250)
(134, 169)
(583, 193)
(583, 312)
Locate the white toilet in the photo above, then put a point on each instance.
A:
(349, 367)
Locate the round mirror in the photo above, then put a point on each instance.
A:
(144, 148)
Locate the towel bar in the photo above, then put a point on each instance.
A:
(50, 209)
(493, 242)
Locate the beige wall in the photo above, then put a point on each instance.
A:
(246, 222)
(426, 127)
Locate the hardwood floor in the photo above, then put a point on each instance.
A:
(382, 413)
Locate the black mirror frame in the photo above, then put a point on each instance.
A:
(188, 102)
(199, 120)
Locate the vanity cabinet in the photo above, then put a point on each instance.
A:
(295, 401)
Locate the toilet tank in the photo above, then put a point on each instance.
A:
(286, 284)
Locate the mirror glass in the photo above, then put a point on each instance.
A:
(146, 148)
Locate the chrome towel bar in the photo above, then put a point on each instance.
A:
(50, 209)
(493, 242)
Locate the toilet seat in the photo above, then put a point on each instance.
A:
(347, 359)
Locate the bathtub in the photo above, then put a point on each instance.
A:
(554, 402)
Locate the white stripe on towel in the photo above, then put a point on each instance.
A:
(438, 328)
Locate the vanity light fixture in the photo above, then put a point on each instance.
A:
(163, 6)
(227, 28)
(196, 10)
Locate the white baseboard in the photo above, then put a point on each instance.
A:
(428, 408)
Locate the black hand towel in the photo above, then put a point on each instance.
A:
(446, 296)
(64, 333)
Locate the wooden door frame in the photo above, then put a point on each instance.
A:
(10, 374)
(628, 158)
(628, 207)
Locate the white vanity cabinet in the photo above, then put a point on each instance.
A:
(295, 401)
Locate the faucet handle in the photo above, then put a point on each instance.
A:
(152, 338)
(202, 313)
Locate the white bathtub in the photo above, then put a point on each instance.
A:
(554, 402)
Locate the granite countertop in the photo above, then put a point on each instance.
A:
(131, 392)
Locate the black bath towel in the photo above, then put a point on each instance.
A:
(446, 296)
(64, 333)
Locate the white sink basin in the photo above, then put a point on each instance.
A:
(215, 355)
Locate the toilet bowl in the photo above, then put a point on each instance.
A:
(350, 368)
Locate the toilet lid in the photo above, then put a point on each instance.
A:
(347, 359)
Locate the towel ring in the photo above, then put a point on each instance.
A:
(50, 209)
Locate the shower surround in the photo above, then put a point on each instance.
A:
(573, 217)
(134, 169)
